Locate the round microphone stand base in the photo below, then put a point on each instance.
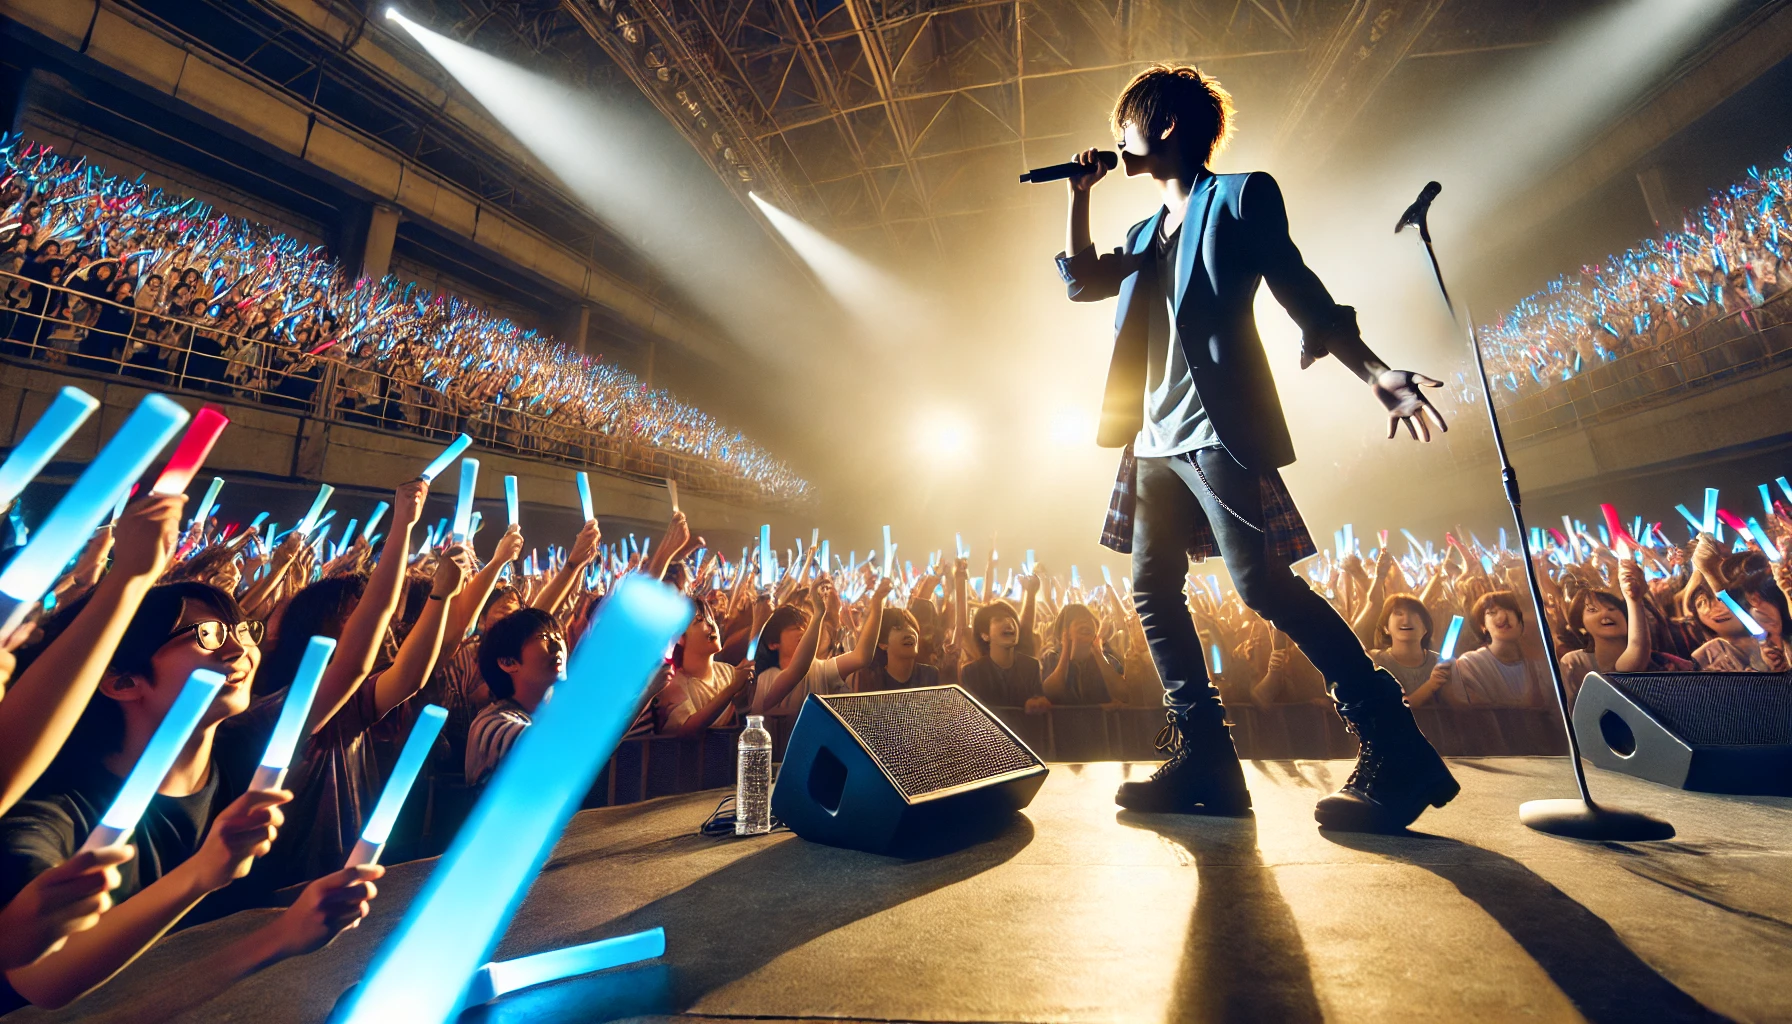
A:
(1583, 819)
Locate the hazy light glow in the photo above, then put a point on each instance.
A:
(877, 298)
(1071, 426)
(421, 972)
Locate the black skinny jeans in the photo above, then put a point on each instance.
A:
(1170, 496)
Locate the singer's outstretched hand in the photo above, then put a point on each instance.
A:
(1090, 159)
(1399, 392)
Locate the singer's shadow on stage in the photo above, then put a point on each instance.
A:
(1607, 982)
(1242, 957)
(730, 923)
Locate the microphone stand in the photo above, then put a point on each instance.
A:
(1577, 818)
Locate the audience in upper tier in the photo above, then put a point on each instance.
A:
(1732, 256)
(109, 274)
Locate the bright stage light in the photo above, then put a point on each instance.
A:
(944, 437)
(1072, 426)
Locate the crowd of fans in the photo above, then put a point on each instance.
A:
(94, 669)
(1733, 255)
(108, 273)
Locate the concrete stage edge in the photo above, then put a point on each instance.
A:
(1078, 913)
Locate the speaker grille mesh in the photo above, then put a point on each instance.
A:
(1714, 708)
(931, 739)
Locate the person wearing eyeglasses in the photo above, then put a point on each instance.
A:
(521, 657)
(204, 827)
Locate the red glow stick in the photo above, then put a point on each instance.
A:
(1615, 527)
(190, 453)
(1734, 523)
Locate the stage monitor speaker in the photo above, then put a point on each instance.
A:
(1715, 732)
(896, 770)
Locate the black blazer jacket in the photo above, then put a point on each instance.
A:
(1241, 227)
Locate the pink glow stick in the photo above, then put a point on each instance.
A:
(190, 453)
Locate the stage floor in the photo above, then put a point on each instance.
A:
(1080, 913)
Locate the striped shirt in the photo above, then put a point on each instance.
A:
(495, 729)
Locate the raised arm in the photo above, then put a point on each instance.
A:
(366, 626)
(44, 703)
(787, 677)
(465, 605)
(584, 548)
(1639, 648)
(417, 655)
(860, 655)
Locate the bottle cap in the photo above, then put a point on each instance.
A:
(755, 721)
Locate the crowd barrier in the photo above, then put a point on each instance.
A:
(160, 351)
(1738, 344)
(649, 767)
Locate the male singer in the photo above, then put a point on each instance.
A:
(1190, 398)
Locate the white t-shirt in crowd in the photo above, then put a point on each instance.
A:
(1481, 679)
(685, 695)
(823, 677)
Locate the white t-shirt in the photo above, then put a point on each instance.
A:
(1481, 679)
(823, 677)
(685, 695)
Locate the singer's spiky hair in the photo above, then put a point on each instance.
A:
(1164, 93)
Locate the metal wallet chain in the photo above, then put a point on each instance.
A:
(1195, 462)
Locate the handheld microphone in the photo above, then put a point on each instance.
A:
(1107, 158)
(1415, 214)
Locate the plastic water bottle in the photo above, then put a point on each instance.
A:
(753, 784)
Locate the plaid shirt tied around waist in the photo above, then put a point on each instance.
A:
(1287, 532)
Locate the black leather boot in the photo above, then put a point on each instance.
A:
(1397, 773)
(1202, 774)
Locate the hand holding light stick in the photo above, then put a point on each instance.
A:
(768, 561)
(398, 786)
(583, 479)
(67, 411)
(33, 570)
(373, 521)
(165, 745)
(206, 504)
(463, 502)
(1447, 652)
(190, 453)
(442, 461)
(294, 711)
(1710, 520)
(1742, 615)
(309, 523)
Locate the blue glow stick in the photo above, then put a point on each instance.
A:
(1785, 487)
(889, 552)
(505, 976)
(1107, 576)
(824, 558)
(284, 741)
(958, 545)
(67, 411)
(474, 524)
(1217, 666)
(463, 502)
(1710, 520)
(449, 454)
(1451, 635)
(768, 564)
(398, 786)
(309, 523)
(1030, 561)
(1410, 539)
(165, 745)
(1502, 538)
(124, 458)
(421, 971)
(1349, 538)
(1767, 548)
(210, 499)
(1338, 543)
(374, 520)
(510, 498)
(1742, 615)
(1075, 579)
(260, 518)
(1697, 525)
(1766, 500)
(584, 481)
